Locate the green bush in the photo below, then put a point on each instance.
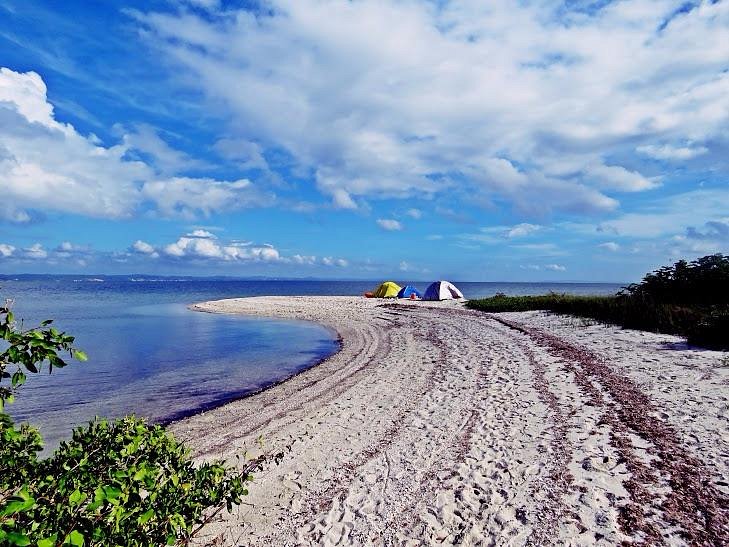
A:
(688, 299)
(122, 483)
(115, 483)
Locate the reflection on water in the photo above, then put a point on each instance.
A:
(160, 361)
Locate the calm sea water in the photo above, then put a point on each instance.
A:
(151, 356)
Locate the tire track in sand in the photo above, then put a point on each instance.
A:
(691, 505)
(432, 425)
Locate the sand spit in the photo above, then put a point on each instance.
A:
(436, 425)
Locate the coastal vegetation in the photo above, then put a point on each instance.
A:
(122, 482)
(689, 299)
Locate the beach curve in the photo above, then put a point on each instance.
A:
(437, 424)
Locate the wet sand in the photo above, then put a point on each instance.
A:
(439, 425)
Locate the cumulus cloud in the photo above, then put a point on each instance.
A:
(204, 246)
(312, 260)
(389, 224)
(48, 165)
(673, 153)
(618, 178)
(249, 155)
(144, 248)
(414, 213)
(341, 198)
(35, 252)
(610, 246)
(331, 261)
(6, 250)
(555, 267)
(403, 97)
(521, 230)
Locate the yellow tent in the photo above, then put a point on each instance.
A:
(387, 290)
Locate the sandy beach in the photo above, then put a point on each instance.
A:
(437, 425)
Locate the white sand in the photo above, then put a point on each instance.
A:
(439, 425)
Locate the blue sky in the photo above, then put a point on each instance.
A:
(416, 140)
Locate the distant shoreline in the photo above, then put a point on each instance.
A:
(433, 422)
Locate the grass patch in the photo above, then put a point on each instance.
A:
(686, 299)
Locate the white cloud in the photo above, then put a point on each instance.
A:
(35, 252)
(522, 230)
(191, 197)
(548, 267)
(610, 246)
(6, 250)
(403, 97)
(618, 178)
(673, 153)
(196, 247)
(389, 224)
(311, 260)
(666, 216)
(48, 165)
(144, 248)
(199, 232)
(414, 213)
(331, 261)
(341, 199)
(248, 154)
(203, 245)
(145, 139)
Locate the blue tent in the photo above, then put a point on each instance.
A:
(409, 290)
(442, 290)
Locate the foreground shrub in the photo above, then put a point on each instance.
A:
(116, 483)
(120, 483)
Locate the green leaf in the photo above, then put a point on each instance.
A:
(18, 503)
(75, 538)
(111, 492)
(50, 541)
(80, 355)
(16, 538)
(18, 378)
(144, 517)
(77, 497)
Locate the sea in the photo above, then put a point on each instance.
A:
(151, 356)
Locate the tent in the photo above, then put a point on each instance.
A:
(442, 290)
(408, 291)
(387, 290)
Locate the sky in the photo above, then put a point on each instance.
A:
(477, 141)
